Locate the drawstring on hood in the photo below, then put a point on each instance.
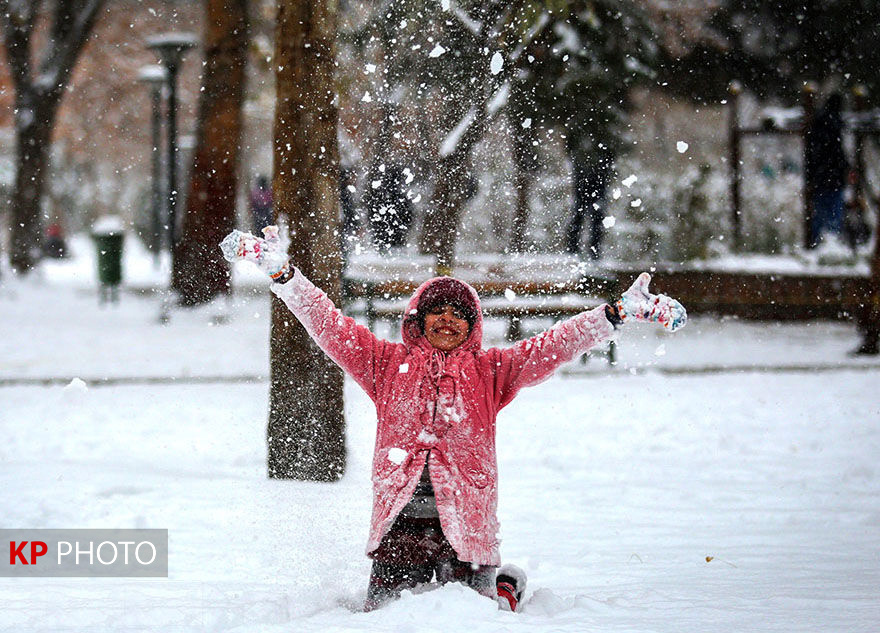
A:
(436, 364)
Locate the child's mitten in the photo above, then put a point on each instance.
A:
(640, 305)
(266, 253)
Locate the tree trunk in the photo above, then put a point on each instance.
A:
(524, 165)
(39, 89)
(32, 139)
(440, 229)
(200, 272)
(453, 182)
(306, 431)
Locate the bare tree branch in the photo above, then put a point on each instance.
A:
(60, 59)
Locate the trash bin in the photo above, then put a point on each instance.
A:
(109, 236)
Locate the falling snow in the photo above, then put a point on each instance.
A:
(720, 479)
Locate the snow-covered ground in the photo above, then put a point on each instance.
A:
(721, 478)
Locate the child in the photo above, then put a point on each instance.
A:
(437, 395)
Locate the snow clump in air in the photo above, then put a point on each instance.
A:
(403, 369)
(608, 221)
(437, 51)
(682, 147)
(629, 181)
(396, 455)
(509, 294)
(497, 63)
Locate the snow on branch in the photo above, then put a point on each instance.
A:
(499, 100)
(450, 143)
(533, 31)
(467, 21)
(570, 40)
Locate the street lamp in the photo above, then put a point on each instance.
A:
(155, 77)
(170, 49)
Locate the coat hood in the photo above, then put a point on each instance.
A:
(433, 289)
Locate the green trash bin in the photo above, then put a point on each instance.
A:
(109, 252)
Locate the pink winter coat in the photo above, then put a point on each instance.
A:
(442, 403)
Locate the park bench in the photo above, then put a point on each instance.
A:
(515, 301)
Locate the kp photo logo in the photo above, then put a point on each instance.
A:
(85, 553)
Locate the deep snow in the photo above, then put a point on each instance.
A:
(615, 486)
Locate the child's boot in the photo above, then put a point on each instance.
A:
(511, 585)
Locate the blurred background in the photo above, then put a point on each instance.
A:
(532, 120)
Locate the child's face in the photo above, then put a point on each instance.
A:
(445, 327)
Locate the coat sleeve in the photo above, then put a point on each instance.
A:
(351, 346)
(533, 360)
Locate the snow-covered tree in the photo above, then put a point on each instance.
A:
(577, 73)
(40, 69)
(466, 63)
(200, 272)
(436, 68)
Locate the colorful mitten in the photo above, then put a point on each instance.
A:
(266, 253)
(639, 304)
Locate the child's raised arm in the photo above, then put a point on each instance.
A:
(533, 360)
(351, 346)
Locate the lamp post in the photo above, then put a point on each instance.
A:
(155, 77)
(808, 99)
(735, 89)
(170, 49)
